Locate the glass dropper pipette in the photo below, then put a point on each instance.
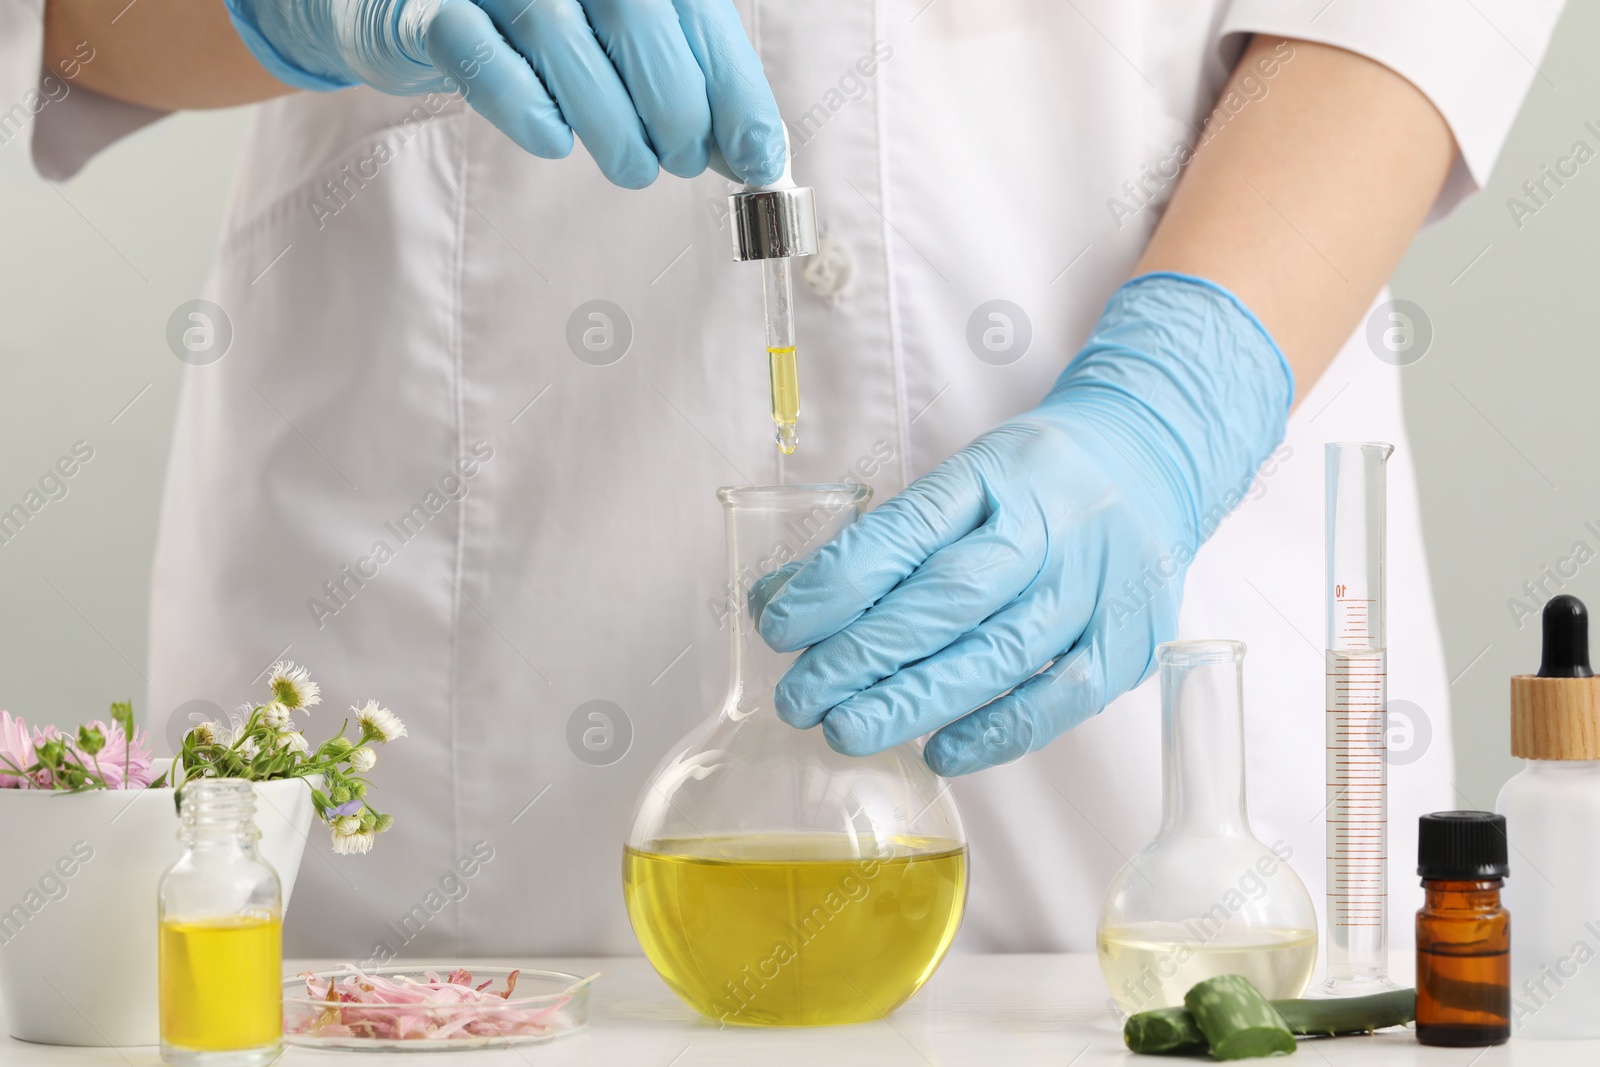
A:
(773, 224)
(782, 364)
(1357, 707)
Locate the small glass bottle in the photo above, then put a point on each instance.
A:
(221, 938)
(1463, 933)
(1206, 897)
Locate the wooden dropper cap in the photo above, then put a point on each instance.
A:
(1555, 714)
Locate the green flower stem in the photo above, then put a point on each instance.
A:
(332, 761)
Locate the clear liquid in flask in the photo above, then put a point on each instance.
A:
(1152, 965)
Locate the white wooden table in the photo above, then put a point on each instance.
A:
(993, 1011)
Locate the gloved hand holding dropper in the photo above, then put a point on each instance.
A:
(640, 83)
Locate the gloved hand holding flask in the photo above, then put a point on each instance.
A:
(641, 83)
(1024, 583)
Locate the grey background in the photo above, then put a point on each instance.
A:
(1501, 407)
(1501, 410)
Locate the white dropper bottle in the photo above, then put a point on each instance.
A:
(1552, 810)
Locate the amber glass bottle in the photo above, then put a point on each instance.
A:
(1463, 934)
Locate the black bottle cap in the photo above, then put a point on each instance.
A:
(1566, 639)
(1462, 846)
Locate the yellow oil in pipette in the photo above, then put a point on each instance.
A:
(785, 396)
(777, 294)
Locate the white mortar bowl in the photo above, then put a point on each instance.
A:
(78, 949)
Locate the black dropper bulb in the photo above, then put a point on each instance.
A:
(1566, 639)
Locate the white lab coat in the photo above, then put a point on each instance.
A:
(400, 291)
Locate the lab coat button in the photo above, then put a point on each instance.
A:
(828, 272)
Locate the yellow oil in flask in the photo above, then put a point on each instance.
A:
(791, 929)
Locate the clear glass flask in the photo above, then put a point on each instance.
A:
(1357, 720)
(1205, 897)
(221, 937)
(770, 880)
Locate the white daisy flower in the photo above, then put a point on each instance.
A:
(292, 686)
(249, 749)
(381, 723)
(205, 733)
(238, 720)
(346, 825)
(294, 741)
(363, 759)
(275, 715)
(348, 844)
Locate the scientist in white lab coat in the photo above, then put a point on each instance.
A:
(417, 468)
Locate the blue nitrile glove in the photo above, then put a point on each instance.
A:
(638, 81)
(1063, 534)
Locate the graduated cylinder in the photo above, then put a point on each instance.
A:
(1357, 708)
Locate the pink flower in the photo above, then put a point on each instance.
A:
(118, 756)
(41, 734)
(16, 751)
(107, 764)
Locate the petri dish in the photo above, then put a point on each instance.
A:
(544, 1005)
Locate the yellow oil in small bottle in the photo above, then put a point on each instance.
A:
(221, 983)
(785, 373)
(1153, 964)
(793, 929)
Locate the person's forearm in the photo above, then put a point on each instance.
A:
(168, 54)
(1303, 201)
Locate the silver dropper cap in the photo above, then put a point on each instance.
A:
(773, 223)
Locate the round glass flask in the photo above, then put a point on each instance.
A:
(770, 880)
(1205, 897)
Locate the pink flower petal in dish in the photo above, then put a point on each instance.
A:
(401, 1008)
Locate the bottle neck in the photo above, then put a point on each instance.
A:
(1441, 894)
(218, 814)
(1563, 766)
(769, 527)
(1202, 748)
(756, 667)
